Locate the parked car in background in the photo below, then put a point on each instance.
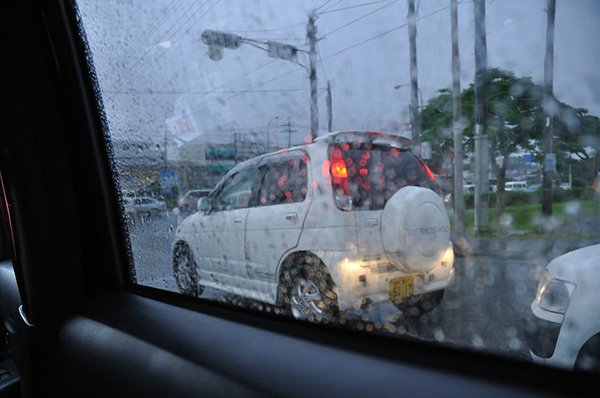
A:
(565, 333)
(515, 186)
(188, 203)
(143, 206)
(350, 219)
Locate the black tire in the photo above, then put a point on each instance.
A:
(420, 304)
(308, 290)
(185, 272)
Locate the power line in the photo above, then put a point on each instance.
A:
(138, 65)
(242, 75)
(321, 60)
(277, 39)
(384, 33)
(355, 6)
(268, 30)
(267, 82)
(322, 5)
(139, 69)
(202, 16)
(177, 25)
(365, 41)
(336, 3)
(297, 107)
(153, 28)
(357, 19)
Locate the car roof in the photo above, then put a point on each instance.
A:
(375, 137)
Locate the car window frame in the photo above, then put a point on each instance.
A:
(115, 276)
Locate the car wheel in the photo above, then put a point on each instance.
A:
(309, 291)
(420, 304)
(185, 273)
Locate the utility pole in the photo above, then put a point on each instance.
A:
(482, 146)
(329, 108)
(311, 34)
(414, 86)
(458, 195)
(548, 105)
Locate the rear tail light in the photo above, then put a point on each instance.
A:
(339, 180)
(429, 172)
(431, 176)
(338, 169)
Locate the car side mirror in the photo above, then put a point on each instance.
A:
(203, 204)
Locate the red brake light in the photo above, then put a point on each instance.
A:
(427, 169)
(338, 169)
(339, 179)
(429, 172)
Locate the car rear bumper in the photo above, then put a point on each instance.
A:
(358, 282)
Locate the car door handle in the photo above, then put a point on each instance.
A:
(291, 216)
(237, 220)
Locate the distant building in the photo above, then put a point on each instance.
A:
(521, 167)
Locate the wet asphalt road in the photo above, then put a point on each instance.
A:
(486, 308)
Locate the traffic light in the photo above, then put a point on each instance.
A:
(222, 39)
(216, 41)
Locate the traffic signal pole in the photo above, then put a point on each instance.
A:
(217, 41)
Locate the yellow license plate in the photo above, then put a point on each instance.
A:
(401, 287)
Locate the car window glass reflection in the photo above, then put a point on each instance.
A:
(236, 192)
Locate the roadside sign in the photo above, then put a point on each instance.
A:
(550, 162)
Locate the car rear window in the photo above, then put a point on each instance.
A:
(376, 172)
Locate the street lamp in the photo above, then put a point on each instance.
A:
(419, 88)
(268, 126)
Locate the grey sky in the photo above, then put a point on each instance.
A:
(142, 46)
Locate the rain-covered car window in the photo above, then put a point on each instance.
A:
(285, 180)
(423, 169)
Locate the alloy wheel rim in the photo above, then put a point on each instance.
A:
(306, 299)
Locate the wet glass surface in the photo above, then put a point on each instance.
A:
(365, 229)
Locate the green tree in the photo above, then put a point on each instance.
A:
(514, 122)
(577, 142)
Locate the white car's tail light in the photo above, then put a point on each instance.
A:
(554, 294)
(339, 179)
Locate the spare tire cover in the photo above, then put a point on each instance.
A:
(415, 229)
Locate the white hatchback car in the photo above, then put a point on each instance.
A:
(566, 328)
(350, 219)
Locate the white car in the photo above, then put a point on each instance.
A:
(143, 206)
(350, 219)
(565, 332)
(515, 186)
